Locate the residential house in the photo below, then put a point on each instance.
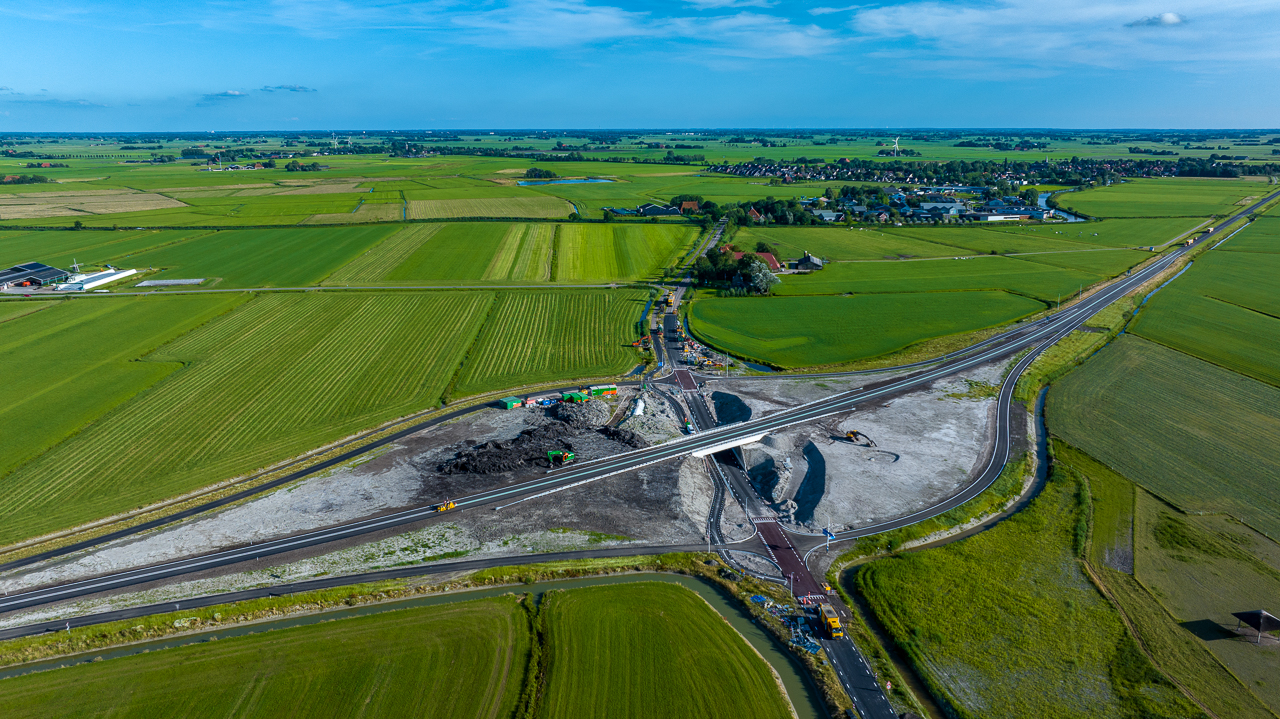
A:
(828, 215)
(689, 206)
(766, 257)
(754, 215)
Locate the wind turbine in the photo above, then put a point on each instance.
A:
(895, 147)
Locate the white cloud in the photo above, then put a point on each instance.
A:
(830, 10)
(719, 4)
(1164, 18)
(286, 88)
(1039, 36)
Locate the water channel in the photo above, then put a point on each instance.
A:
(804, 695)
(1044, 202)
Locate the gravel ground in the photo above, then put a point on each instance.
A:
(820, 479)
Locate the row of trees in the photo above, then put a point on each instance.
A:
(748, 272)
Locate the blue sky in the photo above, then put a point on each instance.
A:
(306, 64)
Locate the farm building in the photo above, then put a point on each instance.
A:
(767, 257)
(31, 274)
(808, 262)
(84, 283)
(652, 210)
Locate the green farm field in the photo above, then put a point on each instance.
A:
(460, 660)
(1033, 279)
(594, 253)
(261, 258)
(1166, 197)
(1262, 235)
(1006, 624)
(282, 374)
(1224, 309)
(532, 337)
(660, 650)
(822, 330)
(60, 249)
(75, 360)
(497, 252)
(837, 243)
(548, 207)
(1174, 425)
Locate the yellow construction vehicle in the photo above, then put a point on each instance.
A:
(446, 506)
(831, 621)
(854, 435)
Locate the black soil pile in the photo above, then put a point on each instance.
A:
(529, 448)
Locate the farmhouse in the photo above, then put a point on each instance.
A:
(31, 274)
(766, 257)
(755, 215)
(689, 206)
(828, 215)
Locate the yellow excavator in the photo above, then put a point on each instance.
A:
(855, 435)
(446, 506)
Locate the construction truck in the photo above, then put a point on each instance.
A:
(446, 506)
(560, 457)
(853, 436)
(831, 621)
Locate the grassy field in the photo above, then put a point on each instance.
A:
(1006, 624)
(373, 266)
(1165, 197)
(1262, 235)
(1204, 568)
(549, 207)
(14, 310)
(531, 337)
(1174, 648)
(1032, 279)
(656, 650)
(1224, 309)
(261, 258)
(76, 360)
(594, 253)
(1174, 425)
(61, 248)
(461, 660)
(280, 375)
(838, 243)
(807, 331)
(535, 252)
(456, 252)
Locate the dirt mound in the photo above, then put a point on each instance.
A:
(573, 432)
(585, 415)
(624, 436)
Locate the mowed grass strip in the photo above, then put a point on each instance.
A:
(1224, 309)
(382, 258)
(1006, 623)
(534, 260)
(650, 650)
(821, 330)
(461, 660)
(263, 258)
(979, 273)
(500, 266)
(539, 336)
(282, 374)
(1193, 433)
(77, 360)
(549, 207)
